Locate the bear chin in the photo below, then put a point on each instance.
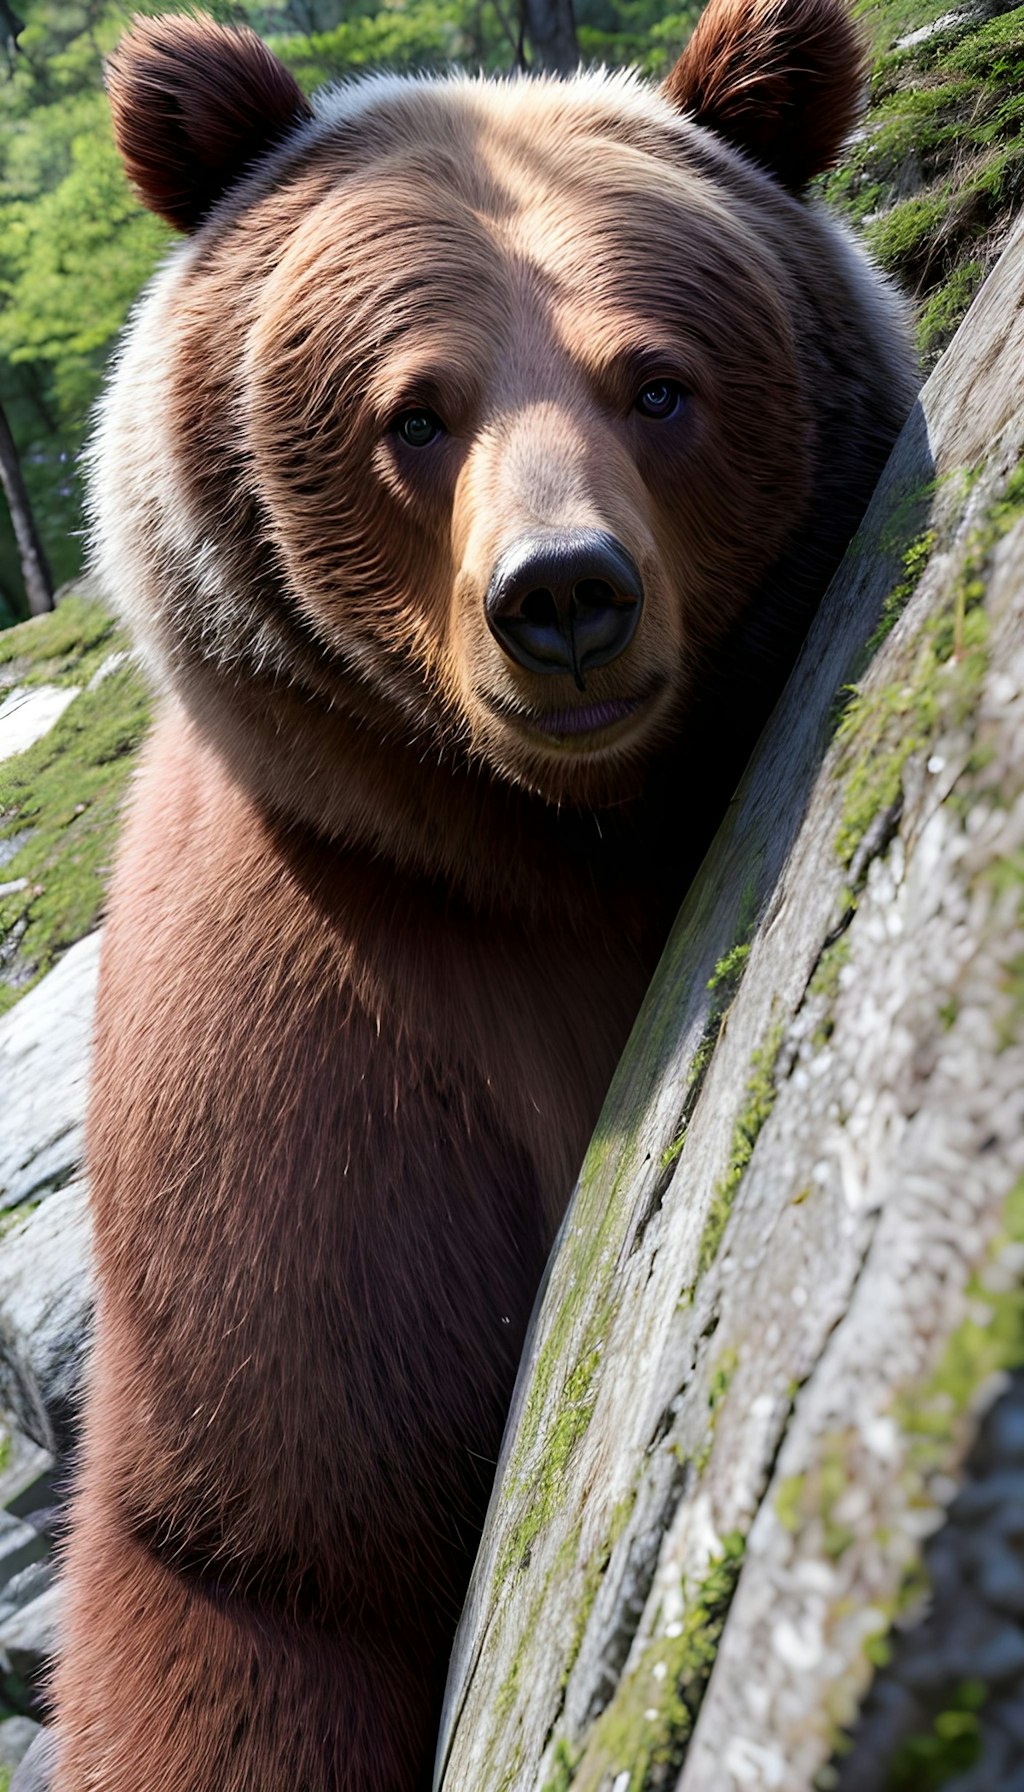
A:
(469, 476)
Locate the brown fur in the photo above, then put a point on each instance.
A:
(193, 107)
(376, 938)
(781, 79)
(328, 1141)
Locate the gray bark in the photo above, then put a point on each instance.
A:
(34, 566)
(789, 1282)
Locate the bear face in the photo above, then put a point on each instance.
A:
(442, 288)
(487, 418)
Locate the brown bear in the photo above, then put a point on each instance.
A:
(469, 474)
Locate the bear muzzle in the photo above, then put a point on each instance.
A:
(565, 603)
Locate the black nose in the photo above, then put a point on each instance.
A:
(565, 603)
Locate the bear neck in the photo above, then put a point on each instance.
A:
(496, 847)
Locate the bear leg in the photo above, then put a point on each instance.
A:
(167, 1684)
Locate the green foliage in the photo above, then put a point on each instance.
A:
(427, 35)
(952, 1746)
(85, 240)
(634, 33)
(74, 250)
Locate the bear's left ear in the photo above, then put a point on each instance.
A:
(782, 80)
(195, 104)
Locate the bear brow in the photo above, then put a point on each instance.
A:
(448, 384)
(626, 356)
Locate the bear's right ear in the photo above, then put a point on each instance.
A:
(195, 104)
(782, 80)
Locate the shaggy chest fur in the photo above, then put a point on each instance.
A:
(335, 1115)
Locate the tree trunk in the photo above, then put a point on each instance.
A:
(551, 35)
(789, 1284)
(34, 566)
(10, 28)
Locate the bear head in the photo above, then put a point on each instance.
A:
(477, 423)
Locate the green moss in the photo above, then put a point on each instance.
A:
(61, 800)
(990, 1340)
(902, 235)
(936, 175)
(593, 1575)
(824, 987)
(14, 1217)
(995, 53)
(64, 648)
(723, 984)
(563, 1763)
(511, 1769)
(910, 120)
(671, 1152)
(812, 1498)
(541, 1475)
(936, 1419)
(720, 1379)
(758, 1104)
(943, 313)
(884, 725)
(505, 1697)
(825, 979)
(790, 1504)
(886, 20)
(996, 176)
(729, 969)
(915, 560)
(719, 1383)
(646, 1728)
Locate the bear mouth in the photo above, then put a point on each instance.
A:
(576, 722)
(586, 718)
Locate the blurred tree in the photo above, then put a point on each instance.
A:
(551, 34)
(34, 568)
(10, 26)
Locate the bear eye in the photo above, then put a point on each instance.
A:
(418, 428)
(659, 399)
